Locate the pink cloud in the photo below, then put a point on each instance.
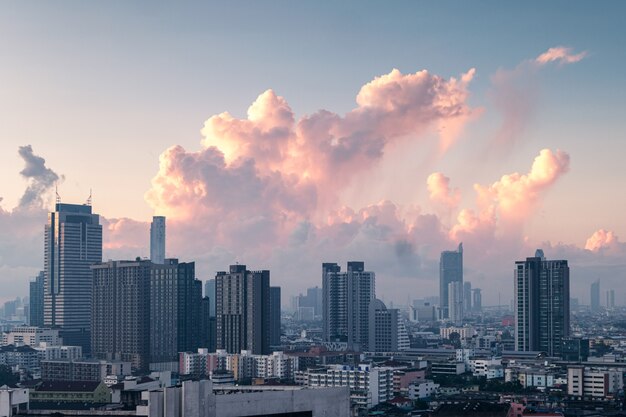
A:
(440, 192)
(603, 240)
(561, 55)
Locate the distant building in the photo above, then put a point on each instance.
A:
(31, 336)
(610, 299)
(347, 297)
(82, 370)
(593, 382)
(575, 349)
(209, 291)
(455, 302)
(541, 304)
(595, 296)
(450, 270)
(275, 316)
(386, 329)
(157, 240)
(477, 300)
(243, 310)
(36, 300)
(73, 242)
(467, 297)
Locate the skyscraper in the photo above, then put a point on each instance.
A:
(610, 299)
(209, 291)
(467, 297)
(36, 300)
(477, 302)
(157, 240)
(274, 316)
(541, 304)
(346, 299)
(121, 312)
(243, 310)
(455, 302)
(595, 296)
(450, 270)
(73, 242)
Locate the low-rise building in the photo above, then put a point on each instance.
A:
(31, 336)
(420, 390)
(19, 357)
(13, 401)
(83, 370)
(71, 392)
(585, 381)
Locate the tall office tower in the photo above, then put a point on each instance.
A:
(450, 270)
(209, 291)
(157, 240)
(274, 316)
(243, 310)
(315, 297)
(73, 242)
(610, 299)
(541, 304)
(387, 332)
(36, 300)
(455, 302)
(477, 304)
(120, 321)
(205, 323)
(347, 296)
(175, 310)
(467, 297)
(595, 296)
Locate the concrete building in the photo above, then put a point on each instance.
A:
(477, 300)
(450, 270)
(35, 311)
(50, 353)
(387, 332)
(59, 392)
(13, 401)
(20, 357)
(467, 297)
(593, 382)
(157, 240)
(31, 336)
(275, 316)
(368, 385)
(594, 296)
(422, 311)
(421, 390)
(610, 299)
(243, 310)
(73, 242)
(82, 370)
(541, 304)
(346, 300)
(455, 302)
(575, 349)
(465, 332)
(203, 398)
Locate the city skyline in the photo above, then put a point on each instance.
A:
(496, 158)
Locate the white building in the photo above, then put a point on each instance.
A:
(593, 382)
(482, 367)
(368, 385)
(455, 302)
(465, 332)
(31, 336)
(420, 390)
(13, 400)
(49, 353)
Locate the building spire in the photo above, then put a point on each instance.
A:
(58, 197)
(88, 202)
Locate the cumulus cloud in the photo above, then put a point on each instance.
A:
(603, 241)
(440, 192)
(40, 178)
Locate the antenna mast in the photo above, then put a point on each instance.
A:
(88, 203)
(58, 197)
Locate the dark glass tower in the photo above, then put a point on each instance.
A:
(450, 270)
(36, 300)
(541, 304)
(73, 242)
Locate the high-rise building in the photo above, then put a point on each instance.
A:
(73, 242)
(450, 270)
(157, 240)
(347, 296)
(477, 302)
(541, 304)
(610, 299)
(243, 310)
(175, 310)
(121, 312)
(387, 332)
(455, 302)
(595, 296)
(467, 297)
(274, 316)
(209, 291)
(145, 312)
(205, 323)
(36, 300)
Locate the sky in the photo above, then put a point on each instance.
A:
(286, 134)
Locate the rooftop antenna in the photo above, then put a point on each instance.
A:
(58, 197)
(88, 203)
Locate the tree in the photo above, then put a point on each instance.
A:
(7, 377)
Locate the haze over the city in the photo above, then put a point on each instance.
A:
(282, 135)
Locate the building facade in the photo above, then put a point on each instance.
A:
(243, 310)
(450, 270)
(541, 304)
(594, 295)
(274, 316)
(387, 332)
(346, 299)
(73, 242)
(36, 300)
(157, 240)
